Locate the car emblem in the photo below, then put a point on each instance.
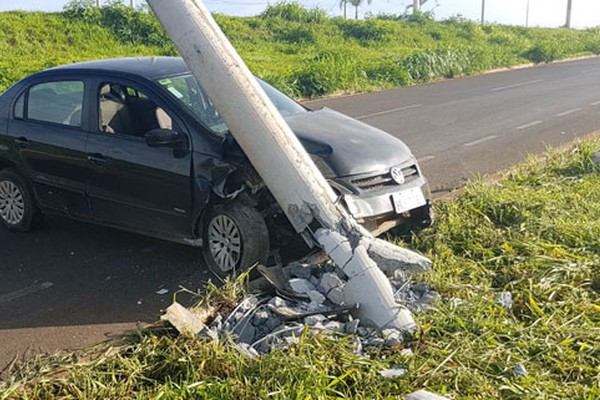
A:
(397, 175)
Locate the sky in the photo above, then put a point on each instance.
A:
(547, 13)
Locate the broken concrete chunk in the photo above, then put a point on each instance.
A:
(407, 353)
(246, 350)
(186, 322)
(520, 370)
(333, 326)
(299, 270)
(425, 395)
(392, 337)
(211, 333)
(261, 317)
(393, 372)
(329, 281)
(336, 296)
(315, 281)
(301, 286)
(351, 327)
(314, 320)
(316, 298)
(277, 302)
(505, 300)
(390, 258)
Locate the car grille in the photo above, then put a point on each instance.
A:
(382, 181)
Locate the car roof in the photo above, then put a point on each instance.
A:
(148, 67)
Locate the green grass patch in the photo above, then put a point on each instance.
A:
(303, 52)
(535, 233)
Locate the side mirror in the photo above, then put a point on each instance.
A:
(163, 138)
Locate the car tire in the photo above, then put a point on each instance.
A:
(18, 211)
(235, 237)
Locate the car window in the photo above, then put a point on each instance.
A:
(56, 102)
(20, 107)
(127, 111)
(186, 90)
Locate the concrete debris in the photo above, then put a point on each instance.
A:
(185, 321)
(301, 286)
(424, 395)
(393, 372)
(393, 337)
(456, 301)
(323, 301)
(391, 258)
(300, 270)
(407, 353)
(351, 327)
(246, 350)
(277, 302)
(417, 297)
(328, 282)
(505, 300)
(520, 370)
(316, 298)
(315, 320)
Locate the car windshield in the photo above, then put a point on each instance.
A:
(188, 92)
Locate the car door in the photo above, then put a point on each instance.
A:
(132, 185)
(47, 125)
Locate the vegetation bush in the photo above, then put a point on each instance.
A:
(303, 51)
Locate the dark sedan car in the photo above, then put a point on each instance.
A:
(136, 144)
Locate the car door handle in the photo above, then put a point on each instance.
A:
(22, 142)
(97, 159)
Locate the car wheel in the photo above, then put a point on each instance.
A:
(18, 211)
(235, 238)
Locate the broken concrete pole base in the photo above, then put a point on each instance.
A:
(367, 285)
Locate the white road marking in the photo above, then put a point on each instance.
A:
(390, 111)
(529, 125)
(478, 141)
(36, 287)
(425, 158)
(516, 85)
(564, 113)
(596, 103)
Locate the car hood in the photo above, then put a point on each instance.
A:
(347, 146)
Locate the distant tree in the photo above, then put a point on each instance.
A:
(355, 3)
(416, 6)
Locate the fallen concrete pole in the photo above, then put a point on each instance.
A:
(279, 158)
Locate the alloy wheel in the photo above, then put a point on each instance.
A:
(225, 242)
(12, 203)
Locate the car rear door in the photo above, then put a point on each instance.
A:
(47, 125)
(131, 184)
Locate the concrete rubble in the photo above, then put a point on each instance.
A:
(520, 370)
(306, 298)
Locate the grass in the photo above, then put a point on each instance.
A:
(535, 232)
(303, 52)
